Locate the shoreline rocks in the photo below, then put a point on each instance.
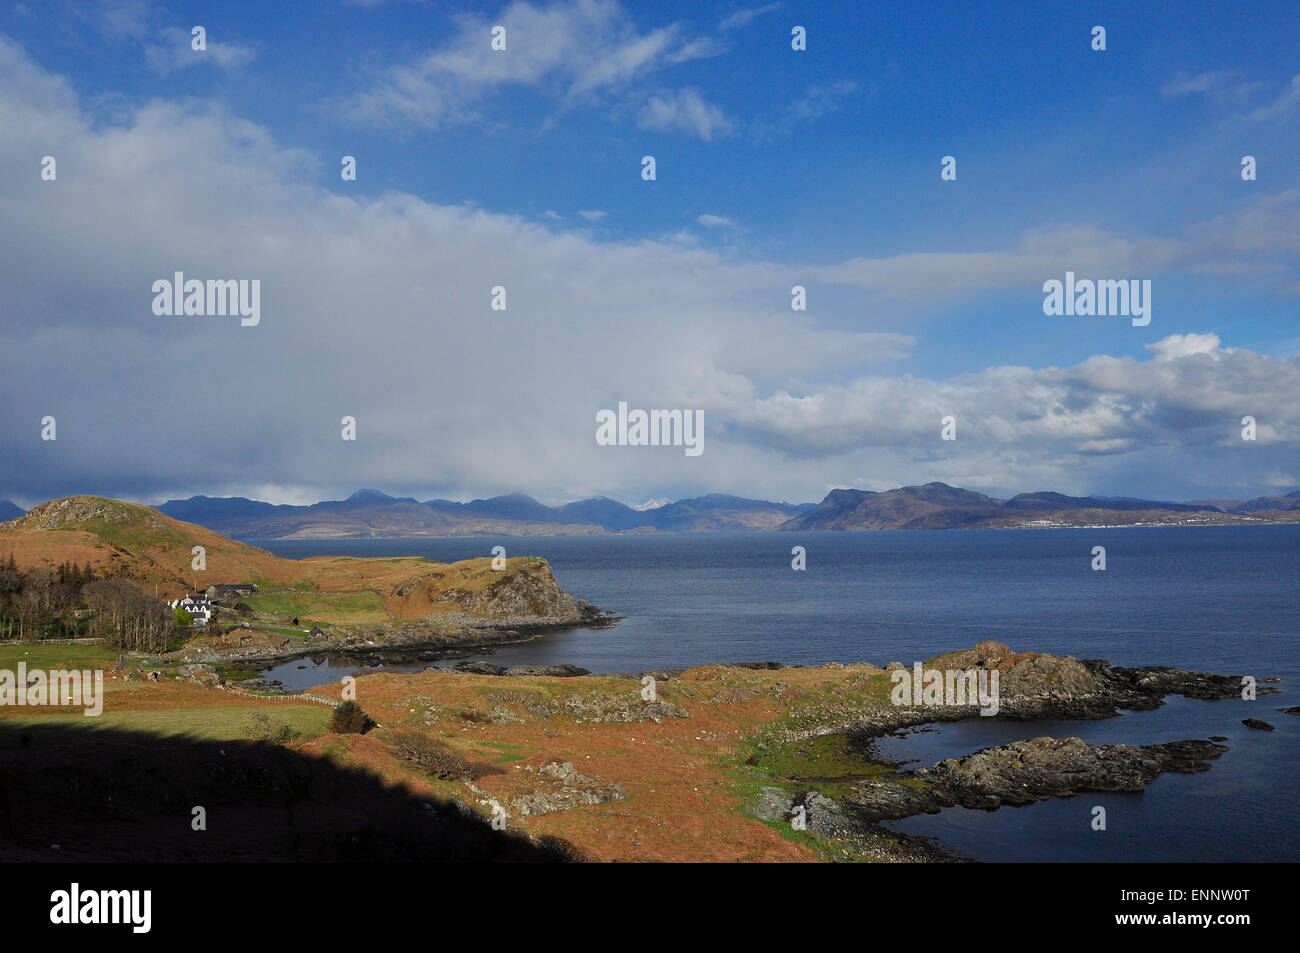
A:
(452, 632)
(1032, 687)
(1041, 687)
(1024, 772)
(520, 671)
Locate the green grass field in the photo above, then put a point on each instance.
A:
(58, 656)
(325, 607)
(209, 723)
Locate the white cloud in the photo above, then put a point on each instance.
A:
(812, 104)
(573, 50)
(684, 111)
(175, 53)
(1262, 237)
(745, 15)
(378, 307)
(116, 19)
(1190, 395)
(1221, 85)
(592, 215)
(1285, 100)
(821, 100)
(715, 221)
(1176, 346)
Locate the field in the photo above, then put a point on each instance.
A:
(325, 608)
(57, 656)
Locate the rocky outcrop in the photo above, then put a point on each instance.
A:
(202, 674)
(520, 671)
(850, 837)
(1034, 686)
(562, 787)
(608, 708)
(1024, 772)
(75, 510)
(525, 593)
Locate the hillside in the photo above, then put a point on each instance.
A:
(8, 511)
(139, 543)
(1289, 502)
(939, 506)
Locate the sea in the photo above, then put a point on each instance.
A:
(1217, 599)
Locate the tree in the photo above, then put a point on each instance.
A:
(181, 618)
(126, 616)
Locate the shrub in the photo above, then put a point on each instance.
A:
(264, 728)
(432, 757)
(349, 719)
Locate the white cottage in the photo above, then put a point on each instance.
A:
(199, 608)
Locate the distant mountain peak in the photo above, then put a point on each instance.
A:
(376, 496)
(368, 496)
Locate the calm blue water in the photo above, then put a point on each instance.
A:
(1221, 599)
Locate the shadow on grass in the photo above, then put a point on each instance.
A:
(108, 794)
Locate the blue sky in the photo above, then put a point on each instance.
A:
(775, 167)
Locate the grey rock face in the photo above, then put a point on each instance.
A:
(564, 788)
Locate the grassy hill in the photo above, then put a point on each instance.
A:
(152, 549)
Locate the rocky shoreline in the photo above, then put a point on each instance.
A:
(449, 632)
(1024, 772)
(820, 766)
(848, 811)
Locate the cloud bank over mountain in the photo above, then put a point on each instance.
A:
(377, 306)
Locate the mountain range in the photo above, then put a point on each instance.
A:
(939, 506)
(371, 513)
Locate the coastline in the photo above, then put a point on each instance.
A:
(808, 763)
(452, 631)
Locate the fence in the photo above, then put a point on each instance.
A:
(300, 697)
